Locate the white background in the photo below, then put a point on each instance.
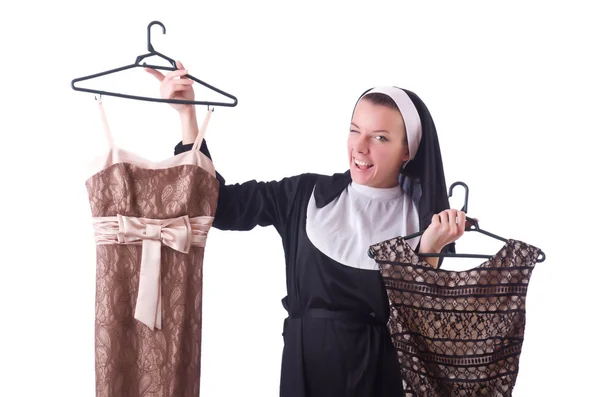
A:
(513, 89)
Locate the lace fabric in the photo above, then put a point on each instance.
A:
(132, 359)
(457, 333)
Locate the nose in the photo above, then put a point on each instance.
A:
(362, 145)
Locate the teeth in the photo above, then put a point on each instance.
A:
(361, 163)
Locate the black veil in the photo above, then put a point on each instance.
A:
(423, 177)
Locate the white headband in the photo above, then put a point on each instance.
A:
(412, 121)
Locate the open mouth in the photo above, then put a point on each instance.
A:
(362, 165)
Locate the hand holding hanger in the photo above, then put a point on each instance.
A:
(175, 85)
(177, 68)
(445, 228)
(446, 232)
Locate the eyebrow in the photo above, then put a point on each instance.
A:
(386, 131)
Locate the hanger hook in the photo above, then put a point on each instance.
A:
(150, 48)
(464, 208)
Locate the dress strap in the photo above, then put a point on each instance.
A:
(202, 131)
(109, 137)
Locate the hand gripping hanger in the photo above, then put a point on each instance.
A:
(153, 52)
(471, 225)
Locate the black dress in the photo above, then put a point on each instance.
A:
(336, 342)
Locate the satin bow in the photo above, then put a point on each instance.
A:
(175, 233)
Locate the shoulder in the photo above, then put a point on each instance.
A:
(311, 178)
(328, 187)
(325, 187)
(307, 179)
(302, 184)
(324, 184)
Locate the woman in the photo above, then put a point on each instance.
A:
(336, 341)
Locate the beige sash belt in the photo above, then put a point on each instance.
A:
(177, 233)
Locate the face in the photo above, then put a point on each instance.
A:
(376, 145)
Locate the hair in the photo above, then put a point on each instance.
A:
(377, 98)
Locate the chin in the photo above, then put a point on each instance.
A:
(361, 177)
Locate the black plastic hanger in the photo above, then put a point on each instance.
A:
(472, 225)
(152, 52)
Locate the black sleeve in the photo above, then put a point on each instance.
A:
(250, 204)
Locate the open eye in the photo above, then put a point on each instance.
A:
(381, 138)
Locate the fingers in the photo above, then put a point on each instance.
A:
(159, 76)
(452, 225)
(181, 88)
(444, 220)
(452, 222)
(462, 219)
(169, 76)
(177, 81)
(180, 66)
(176, 73)
(174, 83)
(172, 86)
(181, 72)
(445, 228)
(182, 82)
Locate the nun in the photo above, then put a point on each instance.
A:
(336, 342)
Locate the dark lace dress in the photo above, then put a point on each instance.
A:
(457, 333)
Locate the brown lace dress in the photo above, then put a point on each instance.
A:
(151, 221)
(457, 333)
